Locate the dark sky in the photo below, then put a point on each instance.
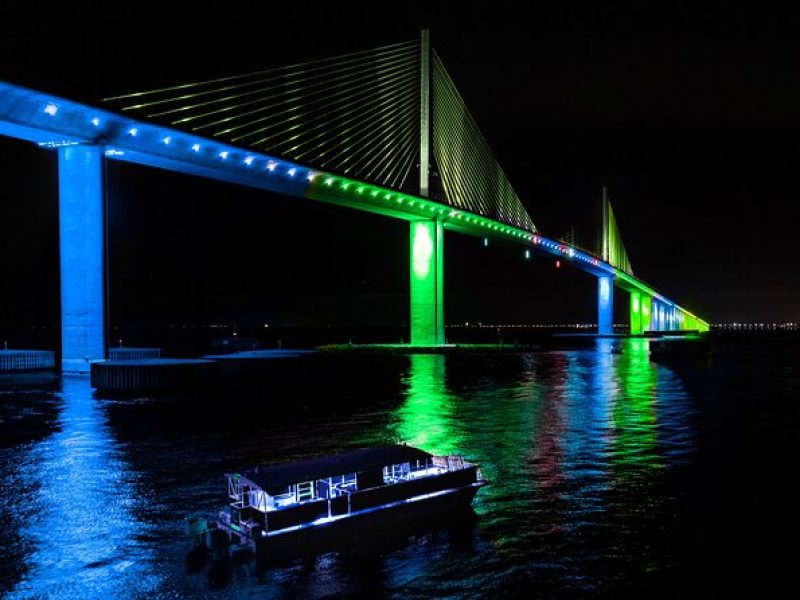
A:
(690, 118)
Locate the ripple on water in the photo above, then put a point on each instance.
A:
(598, 465)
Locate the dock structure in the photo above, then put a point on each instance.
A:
(151, 374)
(26, 360)
(129, 353)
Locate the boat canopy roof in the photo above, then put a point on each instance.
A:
(356, 461)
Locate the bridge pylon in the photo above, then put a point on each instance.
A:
(426, 236)
(82, 239)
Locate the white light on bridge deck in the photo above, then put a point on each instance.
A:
(223, 155)
(51, 109)
(196, 147)
(133, 131)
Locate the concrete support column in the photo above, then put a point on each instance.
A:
(82, 244)
(646, 308)
(655, 324)
(427, 283)
(636, 313)
(605, 305)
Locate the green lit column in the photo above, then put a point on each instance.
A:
(427, 283)
(636, 313)
(645, 308)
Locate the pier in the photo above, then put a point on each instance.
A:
(26, 360)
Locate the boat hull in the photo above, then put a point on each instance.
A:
(401, 517)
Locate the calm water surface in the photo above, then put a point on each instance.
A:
(610, 475)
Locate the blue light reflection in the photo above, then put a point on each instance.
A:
(76, 507)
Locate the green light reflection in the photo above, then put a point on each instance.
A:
(427, 419)
(634, 415)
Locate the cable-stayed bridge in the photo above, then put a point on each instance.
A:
(382, 130)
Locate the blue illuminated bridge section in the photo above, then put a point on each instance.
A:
(70, 127)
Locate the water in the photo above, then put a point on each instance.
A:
(610, 475)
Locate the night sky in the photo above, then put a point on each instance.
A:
(689, 118)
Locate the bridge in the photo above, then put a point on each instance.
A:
(382, 130)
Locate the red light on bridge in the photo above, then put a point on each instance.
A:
(558, 264)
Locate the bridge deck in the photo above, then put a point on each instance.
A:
(54, 122)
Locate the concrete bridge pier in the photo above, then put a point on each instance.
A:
(82, 243)
(655, 322)
(646, 310)
(605, 305)
(636, 313)
(427, 283)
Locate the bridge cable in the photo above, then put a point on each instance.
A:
(357, 114)
(470, 174)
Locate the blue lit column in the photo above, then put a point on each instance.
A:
(82, 238)
(655, 324)
(605, 305)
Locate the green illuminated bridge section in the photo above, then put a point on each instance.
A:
(391, 116)
(373, 116)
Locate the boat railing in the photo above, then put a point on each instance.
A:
(451, 462)
(345, 488)
(234, 487)
(225, 517)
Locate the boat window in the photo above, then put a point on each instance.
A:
(396, 473)
(305, 491)
(422, 468)
(283, 496)
(419, 466)
(342, 484)
(260, 500)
